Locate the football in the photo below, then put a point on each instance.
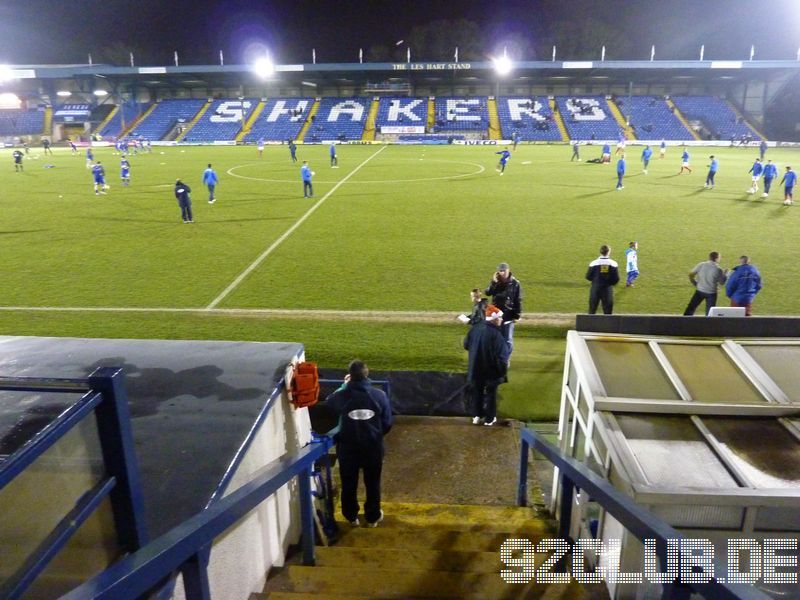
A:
(751, 191)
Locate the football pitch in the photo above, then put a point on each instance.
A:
(393, 230)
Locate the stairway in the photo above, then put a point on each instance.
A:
(313, 111)
(494, 120)
(369, 126)
(431, 114)
(423, 551)
(248, 125)
(195, 120)
(135, 123)
(620, 118)
(682, 119)
(749, 125)
(47, 126)
(107, 120)
(562, 129)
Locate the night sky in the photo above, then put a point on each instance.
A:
(64, 31)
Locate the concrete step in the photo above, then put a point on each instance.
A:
(414, 583)
(431, 538)
(464, 517)
(412, 558)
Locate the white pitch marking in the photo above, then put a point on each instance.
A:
(235, 283)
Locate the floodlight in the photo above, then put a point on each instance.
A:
(6, 73)
(503, 65)
(264, 68)
(100, 93)
(63, 93)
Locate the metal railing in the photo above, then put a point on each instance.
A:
(105, 397)
(574, 474)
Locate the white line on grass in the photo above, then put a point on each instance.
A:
(235, 283)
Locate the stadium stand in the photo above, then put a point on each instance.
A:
(127, 113)
(530, 118)
(277, 121)
(402, 112)
(715, 115)
(222, 121)
(340, 119)
(21, 122)
(652, 118)
(461, 114)
(165, 116)
(588, 118)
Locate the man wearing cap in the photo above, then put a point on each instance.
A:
(604, 274)
(506, 293)
(488, 363)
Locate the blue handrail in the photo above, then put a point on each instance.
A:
(105, 396)
(182, 547)
(640, 522)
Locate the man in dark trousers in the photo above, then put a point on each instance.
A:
(604, 275)
(488, 364)
(365, 416)
(506, 293)
(182, 192)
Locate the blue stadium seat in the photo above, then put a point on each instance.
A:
(165, 116)
(402, 112)
(588, 118)
(21, 122)
(222, 121)
(277, 122)
(458, 113)
(715, 114)
(652, 119)
(339, 119)
(129, 111)
(530, 118)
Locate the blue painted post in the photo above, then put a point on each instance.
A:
(307, 517)
(565, 514)
(522, 484)
(195, 576)
(119, 457)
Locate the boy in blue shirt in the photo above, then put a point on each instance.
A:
(504, 156)
(606, 155)
(99, 175)
(770, 172)
(620, 172)
(712, 172)
(685, 162)
(334, 159)
(789, 179)
(125, 172)
(646, 154)
(293, 150)
(756, 170)
(306, 174)
(89, 157)
(210, 180)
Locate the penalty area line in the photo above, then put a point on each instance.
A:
(241, 277)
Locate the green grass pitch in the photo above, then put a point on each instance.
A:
(413, 228)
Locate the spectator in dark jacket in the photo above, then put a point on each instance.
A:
(743, 284)
(182, 192)
(604, 275)
(506, 293)
(365, 416)
(488, 364)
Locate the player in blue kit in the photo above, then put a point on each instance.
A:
(210, 180)
(505, 155)
(756, 170)
(306, 174)
(334, 158)
(647, 153)
(770, 173)
(125, 172)
(788, 181)
(762, 149)
(685, 162)
(89, 157)
(73, 147)
(662, 149)
(99, 174)
(293, 150)
(712, 172)
(606, 155)
(620, 172)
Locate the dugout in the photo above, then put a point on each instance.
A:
(702, 432)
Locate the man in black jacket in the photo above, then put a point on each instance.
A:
(182, 192)
(604, 275)
(488, 364)
(506, 293)
(365, 416)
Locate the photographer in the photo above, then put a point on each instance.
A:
(506, 293)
